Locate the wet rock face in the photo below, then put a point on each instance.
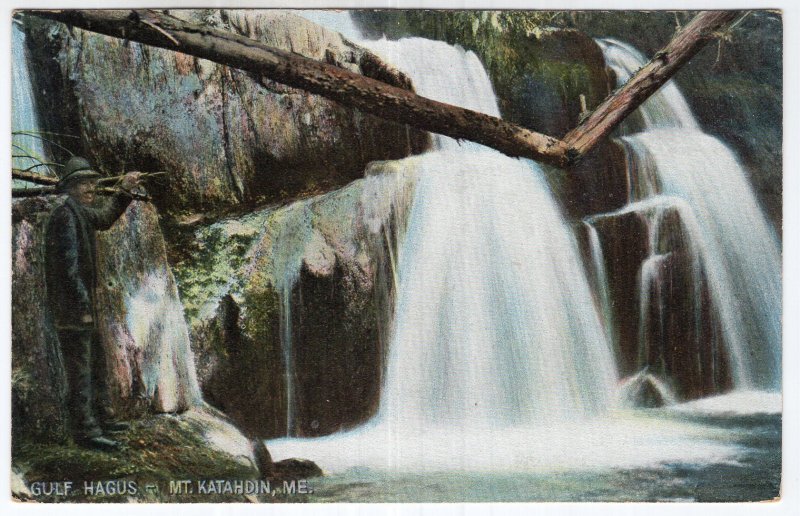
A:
(662, 312)
(227, 139)
(140, 317)
(139, 321)
(338, 353)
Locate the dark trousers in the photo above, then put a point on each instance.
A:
(87, 391)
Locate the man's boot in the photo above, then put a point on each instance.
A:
(77, 350)
(108, 419)
(100, 443)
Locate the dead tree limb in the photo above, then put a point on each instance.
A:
(393, 103)
(49, 185)
(33, 177)
(613, 110)
(36, 191)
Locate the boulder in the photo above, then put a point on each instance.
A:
(157, 453)
(288, 307)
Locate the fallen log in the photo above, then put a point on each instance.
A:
(33, 177)
(49, 185)
(393, 103)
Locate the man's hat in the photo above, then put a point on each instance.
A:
(76, 169)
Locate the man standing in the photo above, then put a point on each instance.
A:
(71, 280)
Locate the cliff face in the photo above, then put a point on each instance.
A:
(228, 140)
(286, 305)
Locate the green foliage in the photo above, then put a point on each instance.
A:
(219, 251)
(261, 318)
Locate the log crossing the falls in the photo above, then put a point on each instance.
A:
(372, 96)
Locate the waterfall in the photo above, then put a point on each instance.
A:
(155, 322)
(494, 318)
(498, 360)
(28, 149)
(601, 280)
(737, 250)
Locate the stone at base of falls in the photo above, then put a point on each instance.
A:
(226, 138)
(647, 395)
(200, 446)
(296, 468)
(263, 458)
(645, 391)
(139, 323)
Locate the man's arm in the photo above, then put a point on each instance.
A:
(103, 218)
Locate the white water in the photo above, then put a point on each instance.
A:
(498, 360)
(158, 329)
(667, 108)
(601, 282)
(493, 319)
(738, 250)
(23, 112)
(338, 21)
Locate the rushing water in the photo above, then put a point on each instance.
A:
(155, 322)
(493, 318)
(737, 249)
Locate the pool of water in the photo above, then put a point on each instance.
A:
(753, 473)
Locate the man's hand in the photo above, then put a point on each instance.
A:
(130, 181)
(86, 319)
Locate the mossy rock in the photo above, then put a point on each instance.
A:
(154, 451)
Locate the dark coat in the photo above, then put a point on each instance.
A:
(70, 249)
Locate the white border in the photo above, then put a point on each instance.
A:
(790, 503)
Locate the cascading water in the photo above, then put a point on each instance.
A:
(28, 149)
(498, 359)
(736, 249)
